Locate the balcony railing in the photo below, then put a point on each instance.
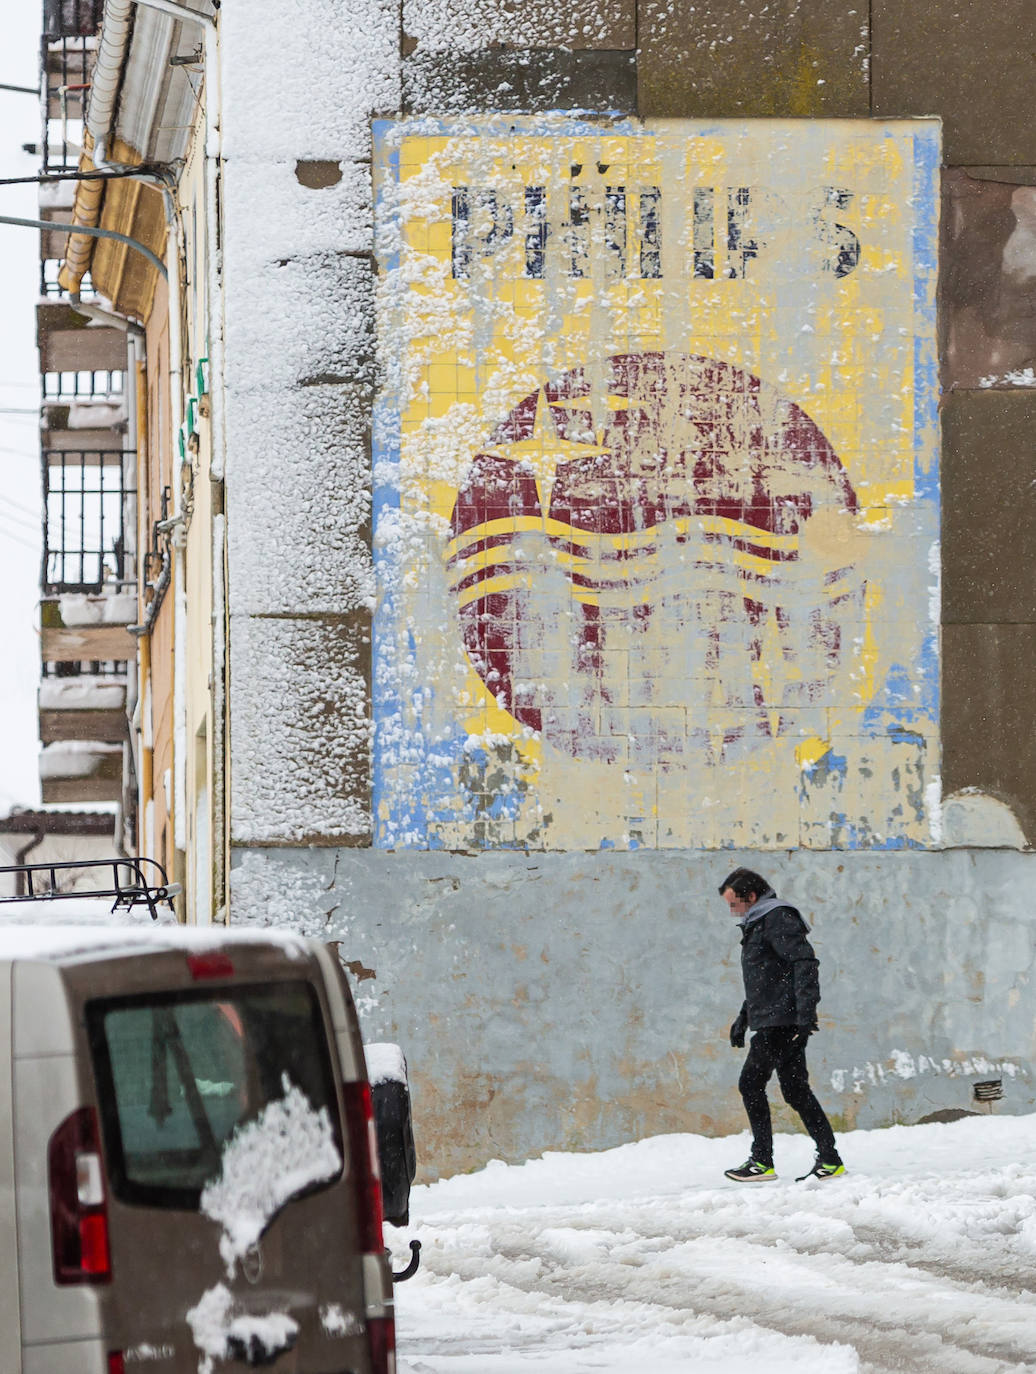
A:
(50, 286)
(82, 386)
(87, 540)
(68, 49)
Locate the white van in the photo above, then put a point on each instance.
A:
(189, 1177)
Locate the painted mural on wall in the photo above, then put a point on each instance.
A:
(656, 485)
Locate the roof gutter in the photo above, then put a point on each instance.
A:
(100, 112)
(116, 28)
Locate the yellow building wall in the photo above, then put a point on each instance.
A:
(201, 869)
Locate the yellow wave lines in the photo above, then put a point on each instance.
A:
(624, 542)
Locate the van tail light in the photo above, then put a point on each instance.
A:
(116, 1363)
(78, 1201)
(363, 1161)
(366, 1176)
(381, 1336)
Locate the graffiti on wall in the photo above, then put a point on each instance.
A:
(656, 492)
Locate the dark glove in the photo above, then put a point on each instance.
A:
(737, 1032)
(802, 1033)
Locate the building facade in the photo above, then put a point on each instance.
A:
(584, 450)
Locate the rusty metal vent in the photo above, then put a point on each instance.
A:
(992, 1090)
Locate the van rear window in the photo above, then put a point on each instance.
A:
(178, 1073)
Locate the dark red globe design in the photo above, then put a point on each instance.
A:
(629, 557)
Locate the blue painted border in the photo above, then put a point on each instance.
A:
(385, 454)
(927, 456)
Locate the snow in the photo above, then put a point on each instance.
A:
(71, 928)
(266, 1162)
(108, 609)
(1020, 376)
(310, 93)
(920, 1259)
(385, 1064)
(214, 1329)
(469, 25)
(99, 413)
(74, 758)
(90, 692)
(299, 346)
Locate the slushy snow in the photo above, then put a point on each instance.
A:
(922, 1260)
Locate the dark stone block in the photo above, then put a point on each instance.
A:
(987, 280)
(989, 508)
(512, 82)
(971, 64)
(988, 734)
(317, 175)
(730, 58)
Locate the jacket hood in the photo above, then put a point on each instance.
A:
(756, 912)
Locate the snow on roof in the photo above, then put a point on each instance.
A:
(90, 930)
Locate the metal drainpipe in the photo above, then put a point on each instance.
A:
(38, 836)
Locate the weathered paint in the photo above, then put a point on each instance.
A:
(656, 485)
(575, 1001)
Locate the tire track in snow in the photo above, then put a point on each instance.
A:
(913, 1314)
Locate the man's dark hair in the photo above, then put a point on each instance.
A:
(743, 882)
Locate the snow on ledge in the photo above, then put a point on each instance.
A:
(90, 692)
(74, 758)
(106, 609)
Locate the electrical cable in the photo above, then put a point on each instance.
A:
(31, 524)
(25, 510)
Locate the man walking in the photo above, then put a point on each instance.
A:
(782, 989)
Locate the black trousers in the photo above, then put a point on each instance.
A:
(771, 1049)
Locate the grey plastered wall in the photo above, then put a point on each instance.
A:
(575, 1001)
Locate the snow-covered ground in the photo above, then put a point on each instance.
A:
(644, 1258)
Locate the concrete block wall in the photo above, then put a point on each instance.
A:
(302, 373)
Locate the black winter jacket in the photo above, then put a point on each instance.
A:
(781, 972)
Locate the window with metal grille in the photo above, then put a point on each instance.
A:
(69, 18)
